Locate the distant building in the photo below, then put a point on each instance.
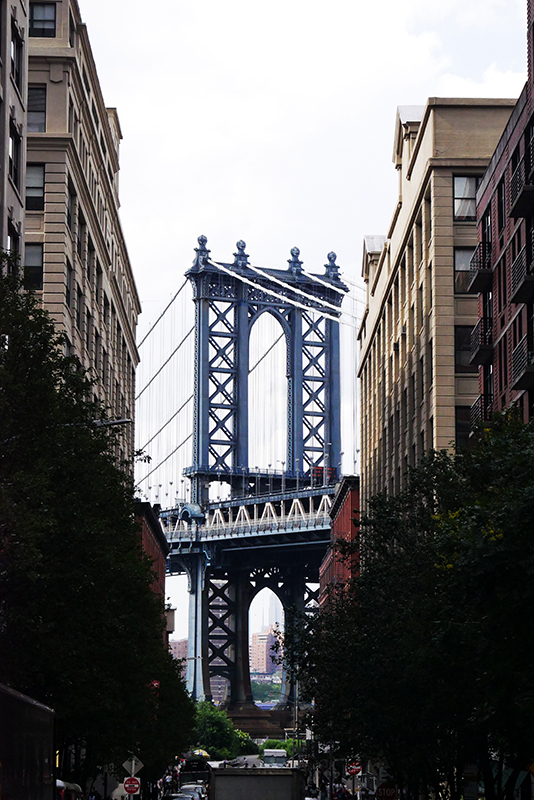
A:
(178, 649)
(417, 381)
(337, 568)
(75, 254)
(261, 653)
(502, 274)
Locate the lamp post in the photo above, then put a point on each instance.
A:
(283, 463)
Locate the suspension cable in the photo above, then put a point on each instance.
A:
(168, 422)
(153, 378)
(164, 460)
(145, 337)
(266, 353)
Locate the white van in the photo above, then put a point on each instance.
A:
(274, 758)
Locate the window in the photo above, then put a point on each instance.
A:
(465, 190)
(462, 349)
(35, 187)
(68, 285)
(14, 155)
(16, 56)
(79, 308)
(71, 198)
(13, 242)
(462, 425)
(72, 31)
(80, 243)
(86, 81)
(43, 20)
(501, 206)
(462, 272)
(36, 109)
(33, 266)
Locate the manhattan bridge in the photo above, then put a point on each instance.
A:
(239, 410)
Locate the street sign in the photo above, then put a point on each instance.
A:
(132, 785)
(133, 765)
(354, 768)
(386, 792)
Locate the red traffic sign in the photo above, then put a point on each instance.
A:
(386, 792)
(132, 785)
(354, 768)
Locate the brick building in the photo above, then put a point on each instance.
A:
(502, 268)
(336, 570)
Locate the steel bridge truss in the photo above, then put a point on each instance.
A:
(229, 298)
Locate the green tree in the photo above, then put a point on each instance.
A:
(426, 661)
(80, 628)
(215, 732)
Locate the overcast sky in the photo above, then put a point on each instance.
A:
(273, 122)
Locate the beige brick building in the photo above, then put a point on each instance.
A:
(75, 250)
(14, 81)
(417, 383)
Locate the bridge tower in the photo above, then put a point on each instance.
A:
(229, 298)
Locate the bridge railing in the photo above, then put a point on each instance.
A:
(244, 528)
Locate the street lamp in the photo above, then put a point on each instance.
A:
(283, 463)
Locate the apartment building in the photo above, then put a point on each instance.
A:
(75, 253)
(261, 652)
(338, 568)
(13, 83)
(417, 381)
(502, 274)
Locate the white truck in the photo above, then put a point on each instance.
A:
(264, 783)
(274, 758)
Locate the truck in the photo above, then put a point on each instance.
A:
(275, 758)
(234, 783)
(26, 747)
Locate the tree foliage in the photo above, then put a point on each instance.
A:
(80, 628)
(427, 661)
(215, 732)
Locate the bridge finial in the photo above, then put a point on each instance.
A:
(295, 265)
(202, 252)
(332, 269)
(240, 258)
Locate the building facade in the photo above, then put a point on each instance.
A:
(417, 381)
(13, 82)
(261, 652)
(502, 275)
(75, 253)
(338, 568)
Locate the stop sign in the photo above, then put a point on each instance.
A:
(354, 768)
(132, 785)
(386, 792)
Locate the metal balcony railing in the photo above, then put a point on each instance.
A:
(481, 409)
(521, 187)
(518, 180)
(480, 267)
(481, 335)
(522, 275)
(523, 365)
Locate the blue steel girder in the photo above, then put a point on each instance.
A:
(229, 299)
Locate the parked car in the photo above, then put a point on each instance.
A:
(192, 791)
(195, 788)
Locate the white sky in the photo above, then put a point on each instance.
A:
(273, 122)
